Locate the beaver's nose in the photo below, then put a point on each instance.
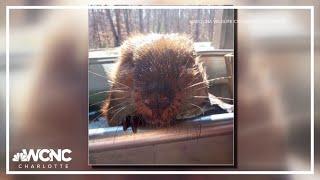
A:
(157, 102)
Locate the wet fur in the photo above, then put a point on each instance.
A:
(155, 58)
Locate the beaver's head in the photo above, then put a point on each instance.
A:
(164, 68)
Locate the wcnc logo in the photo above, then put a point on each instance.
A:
(43, 155)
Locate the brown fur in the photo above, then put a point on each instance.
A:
(156, 68)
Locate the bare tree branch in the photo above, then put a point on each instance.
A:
(117, 12)
(113, 29)
(126, 19)
(141, 20)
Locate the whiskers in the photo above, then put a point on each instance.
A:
(123, 90)
(207, 81)
(120, 104)
(111, 91)
(108, 80)
(198, 100)
(96, 103)
(206, 97)
(119, 110)
(201, 109)
(100, 114)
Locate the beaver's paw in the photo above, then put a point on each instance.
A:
(134, 122)
(126, 123)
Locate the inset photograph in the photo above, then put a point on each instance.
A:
(161, 87)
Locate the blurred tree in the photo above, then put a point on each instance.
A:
(210, 28)
(126, 19)
(198, 23)
(141, 20)
(113, 29)
(108, 28)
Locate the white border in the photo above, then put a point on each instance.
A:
(311, 171)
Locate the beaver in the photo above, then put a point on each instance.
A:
(156, 81)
